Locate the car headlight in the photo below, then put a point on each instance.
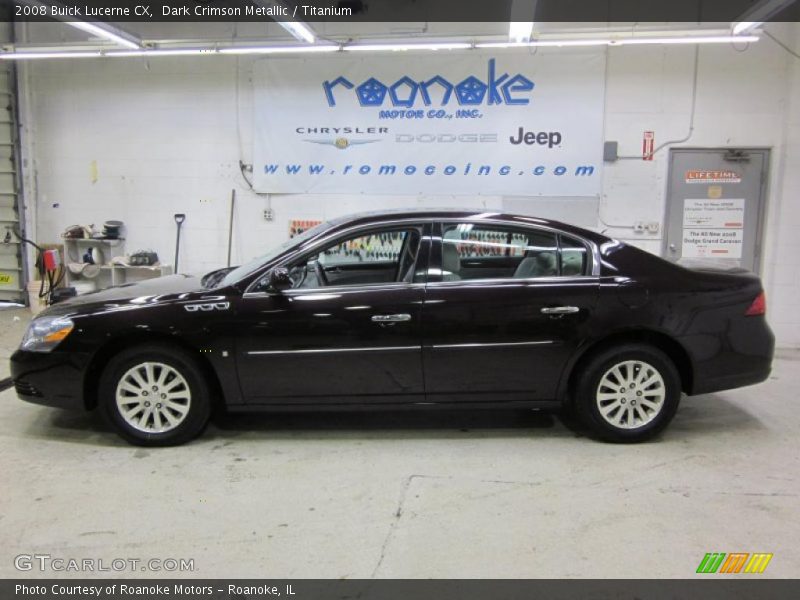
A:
(45, 333)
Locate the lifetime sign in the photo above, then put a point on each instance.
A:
(406, 92)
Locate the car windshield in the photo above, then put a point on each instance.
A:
(247, 268)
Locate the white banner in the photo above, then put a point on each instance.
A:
(713, 228)
(467, 123)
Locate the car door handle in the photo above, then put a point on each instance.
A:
(399, 318)
(560, 310)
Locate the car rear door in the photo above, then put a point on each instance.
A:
(354, 340)
(492, 334)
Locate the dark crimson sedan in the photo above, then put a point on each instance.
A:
(395, 309)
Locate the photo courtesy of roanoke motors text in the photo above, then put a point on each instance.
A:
(382, 299)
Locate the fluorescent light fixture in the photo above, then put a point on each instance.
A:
(161, 52)
(231, 50)
(169, 52)
(519, 31)
(41, 55)
(759, 13)
(323, 48)
(409, 46)
(280, 49)
(543, 43)
(745, 26)
(708, 39)
(106, 32)
(300, 31)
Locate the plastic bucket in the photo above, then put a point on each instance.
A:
(83, 286)
(36, 303)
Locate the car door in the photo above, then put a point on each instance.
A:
(352, 338)
(505, 308)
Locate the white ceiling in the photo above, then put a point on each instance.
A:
(183, 34)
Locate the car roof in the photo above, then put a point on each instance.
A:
(470, 214)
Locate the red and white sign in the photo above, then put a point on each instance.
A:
(648, 145)
(701, 176)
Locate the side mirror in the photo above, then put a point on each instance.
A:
(279, 279)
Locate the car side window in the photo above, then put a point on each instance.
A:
(471, 251)
(373, 247)
(574, 257)
(382, 256)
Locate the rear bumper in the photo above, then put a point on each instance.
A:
(729, 382)
(50, 378)
(741, 357)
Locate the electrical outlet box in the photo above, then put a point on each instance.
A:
(610, 151)
(269, 215)
(639, 227)
(653, 226)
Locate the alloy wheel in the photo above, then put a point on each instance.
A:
(153, 397)
(631, 394)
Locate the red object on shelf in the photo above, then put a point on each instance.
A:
(52, 260)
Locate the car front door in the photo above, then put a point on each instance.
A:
(510, 307)
(349, 329)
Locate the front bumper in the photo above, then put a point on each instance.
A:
(50, 378)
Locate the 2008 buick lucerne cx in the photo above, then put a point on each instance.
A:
(392, 309)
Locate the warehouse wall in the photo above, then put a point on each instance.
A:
(747, 99)
(783, 242)
(138, 141)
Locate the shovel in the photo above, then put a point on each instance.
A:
(179, 219)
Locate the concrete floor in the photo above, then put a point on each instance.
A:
(435, 494)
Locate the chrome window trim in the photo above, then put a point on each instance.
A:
(315, 244)
(353, 289)
(563, 280)
(339, 289)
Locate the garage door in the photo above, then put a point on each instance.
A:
(11, 275)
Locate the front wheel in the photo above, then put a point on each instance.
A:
(155, 395)
(628, 393)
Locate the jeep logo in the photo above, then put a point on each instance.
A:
(406, 92)
(542, 138)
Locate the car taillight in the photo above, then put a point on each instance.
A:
(758, 307)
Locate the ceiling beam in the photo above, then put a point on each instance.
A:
(521, 20)
(284, 16)
(758, 14)
(100, 29)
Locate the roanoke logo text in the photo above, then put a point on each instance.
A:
(406, 92)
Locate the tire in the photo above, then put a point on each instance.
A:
(159, 378)
(636, 386)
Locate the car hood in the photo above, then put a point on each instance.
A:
(147, 292)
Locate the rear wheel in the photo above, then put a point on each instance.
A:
(155, 395)
(628, 393)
